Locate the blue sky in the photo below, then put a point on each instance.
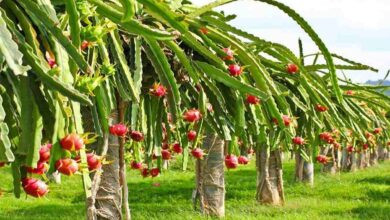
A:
(356, 29)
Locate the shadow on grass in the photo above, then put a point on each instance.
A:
(372, 212)
(241, 173)
(146, 192)
(383, 180)
(50, 211)
(377, 195)
(78, 198)
(181, 190)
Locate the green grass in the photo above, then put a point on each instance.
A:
(361, 195)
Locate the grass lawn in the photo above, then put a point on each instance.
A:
(361, 195)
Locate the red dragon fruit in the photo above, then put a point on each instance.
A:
(327, 137)
(321, 108)
(192, 115)
(235, 70)
(40, 169)
(136, 165)
(67, 166)
(349, 92)
(191, 135)
(231, 161)
(197, 153)
(137, 136)
(158, 90)
(322, 159)
(34, 187)
(165, 154)
(243, 160)
(298, 141)
(292, 68)
(72, 142)
(177, 148)
(145, 172)
(44, 153)
(119, 130)
(154, 172)
(377, 130)
(94, 161)
(286, 120)
(229, 54)
(253, 100)
(84, 45)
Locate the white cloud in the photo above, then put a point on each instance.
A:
(363, 14)
(378, 59)
(348, 27)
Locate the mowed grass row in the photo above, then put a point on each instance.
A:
(363, 194)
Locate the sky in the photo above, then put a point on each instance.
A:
(356, 29)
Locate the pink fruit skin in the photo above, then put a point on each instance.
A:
(67, 166)
(286, 120)
(197, 153)
(52, 63)
(72, 142)
(321, 108)
(253, 100)
(119, 130)
(243, 160)
(34, 187)
(44, 153)
(192, 115)
(136, 165)
(145, 172)
(166, 155)
(292, 68)
(137, 136)
(158, 90)
(349, 92)
(327, 137)
(94, 162)
(235, 70)
(84, 45)
(40, 169)
(298, 140)
(229, 54)
(322, 159)
(177, 148)
(154, 172)
(377, 130)
(231, 161)
(191, 135)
